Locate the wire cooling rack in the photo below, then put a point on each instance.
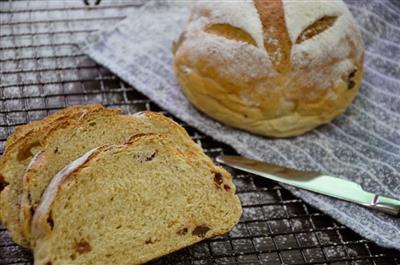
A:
(43, 70)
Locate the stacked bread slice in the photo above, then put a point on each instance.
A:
(92, 186)
(20, 147)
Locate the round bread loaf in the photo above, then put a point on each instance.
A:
(272, 67)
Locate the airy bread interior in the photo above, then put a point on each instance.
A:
(68, 143)
(21, 146)
(128, 204)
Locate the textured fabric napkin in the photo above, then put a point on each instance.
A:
(362, 145)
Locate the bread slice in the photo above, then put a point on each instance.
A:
(128, 204)
(24, 130)
(20, 147)
(68, 143)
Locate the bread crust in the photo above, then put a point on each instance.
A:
(272, 16)
(305, 73)
(21, 146)
(231, 111)
(25, 210)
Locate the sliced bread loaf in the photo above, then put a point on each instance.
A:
(69, 142)
(20, 147)
(128, 204)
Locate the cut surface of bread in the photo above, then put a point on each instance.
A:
(68, 143)
(131, 203)
(37, 125)
(21, 146)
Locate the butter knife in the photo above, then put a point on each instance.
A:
(316, 182)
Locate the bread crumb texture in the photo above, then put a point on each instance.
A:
(131, 203)
(20, 148)
(65, 144)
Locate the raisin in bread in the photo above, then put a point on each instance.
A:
(20, 147)
(128, 204)
(69, 142)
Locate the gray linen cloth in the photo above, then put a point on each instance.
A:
(362, 145)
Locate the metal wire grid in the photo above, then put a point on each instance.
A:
(42, 70)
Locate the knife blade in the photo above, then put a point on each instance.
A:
(316, 182)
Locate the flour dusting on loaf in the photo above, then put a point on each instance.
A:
(223, 50)
(273, 67)
(225, 12)
(300, 15)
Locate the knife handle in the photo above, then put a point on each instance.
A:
(386, 205)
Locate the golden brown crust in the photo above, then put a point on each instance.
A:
(25, 204)
(230, 32)
(304, 117)
(276, 37)
(316, 28)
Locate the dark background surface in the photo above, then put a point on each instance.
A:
(43, 70)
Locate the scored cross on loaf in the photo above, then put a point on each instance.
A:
(273, 67)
